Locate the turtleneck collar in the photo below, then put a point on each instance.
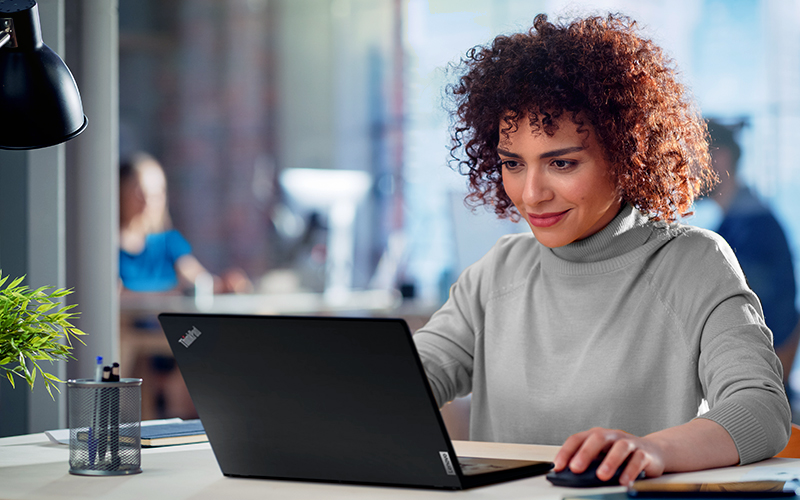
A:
(629, 230)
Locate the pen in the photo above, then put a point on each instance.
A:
(102, 435)
(92, 443)
(98, 369)
(114, 418)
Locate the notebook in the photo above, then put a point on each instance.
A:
(322, 399)
(172, 433)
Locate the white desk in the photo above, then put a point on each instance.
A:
(33, 468)
(276, 303)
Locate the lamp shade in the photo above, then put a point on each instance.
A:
(40, 104)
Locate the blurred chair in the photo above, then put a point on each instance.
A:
(792, 449)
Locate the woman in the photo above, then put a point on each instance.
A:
(609, 315)
(153, 256)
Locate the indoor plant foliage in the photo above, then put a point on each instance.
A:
(32, 324)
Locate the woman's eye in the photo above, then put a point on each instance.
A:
(510, 164)
(563, 164)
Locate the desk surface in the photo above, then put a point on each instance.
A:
(276, 303)
(31, 467)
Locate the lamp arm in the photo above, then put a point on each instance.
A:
(4, 38)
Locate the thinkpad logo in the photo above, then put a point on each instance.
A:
(190, 336)
(448, 464)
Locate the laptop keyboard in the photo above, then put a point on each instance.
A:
(471, 466)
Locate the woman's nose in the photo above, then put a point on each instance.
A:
(537, 188)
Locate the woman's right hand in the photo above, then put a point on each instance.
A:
(580, 449)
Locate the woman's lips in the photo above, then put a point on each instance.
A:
(546, 220)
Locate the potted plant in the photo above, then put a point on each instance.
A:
(32, 326)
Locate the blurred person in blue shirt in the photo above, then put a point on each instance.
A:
(153, 256)
(754, 233)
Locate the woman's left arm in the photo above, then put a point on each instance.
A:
(748, 418)
(749, 415)
(695, 445)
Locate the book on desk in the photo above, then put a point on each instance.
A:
(154, 433)
(172, 433)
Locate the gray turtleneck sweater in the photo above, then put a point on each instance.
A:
(631, 328)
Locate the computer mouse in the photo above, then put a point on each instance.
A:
(587, 478)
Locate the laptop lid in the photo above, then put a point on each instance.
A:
(316, 398)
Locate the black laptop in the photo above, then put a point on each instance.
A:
(322, 399)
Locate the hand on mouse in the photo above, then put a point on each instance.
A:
(580, 449)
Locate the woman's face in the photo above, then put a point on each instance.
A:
(559, 183)
(144, 194)
(153, 184)
(131, 202)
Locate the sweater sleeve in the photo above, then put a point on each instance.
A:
(742, 380)
(446, 344)
(739, 371)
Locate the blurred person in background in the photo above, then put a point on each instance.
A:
(154, 257)
(758, 240)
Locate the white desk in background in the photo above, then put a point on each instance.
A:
(262, 303)
(31, 467)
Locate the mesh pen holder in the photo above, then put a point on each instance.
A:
(104, 427)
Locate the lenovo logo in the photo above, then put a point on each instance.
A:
(448, 464)
(190, 337)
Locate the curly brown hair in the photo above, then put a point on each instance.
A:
(599, 68)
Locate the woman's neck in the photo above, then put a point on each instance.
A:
(627, 231)
(132, 235)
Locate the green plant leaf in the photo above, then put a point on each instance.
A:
(15, 283)
(34, 326)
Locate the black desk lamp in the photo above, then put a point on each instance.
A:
(40, 104)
